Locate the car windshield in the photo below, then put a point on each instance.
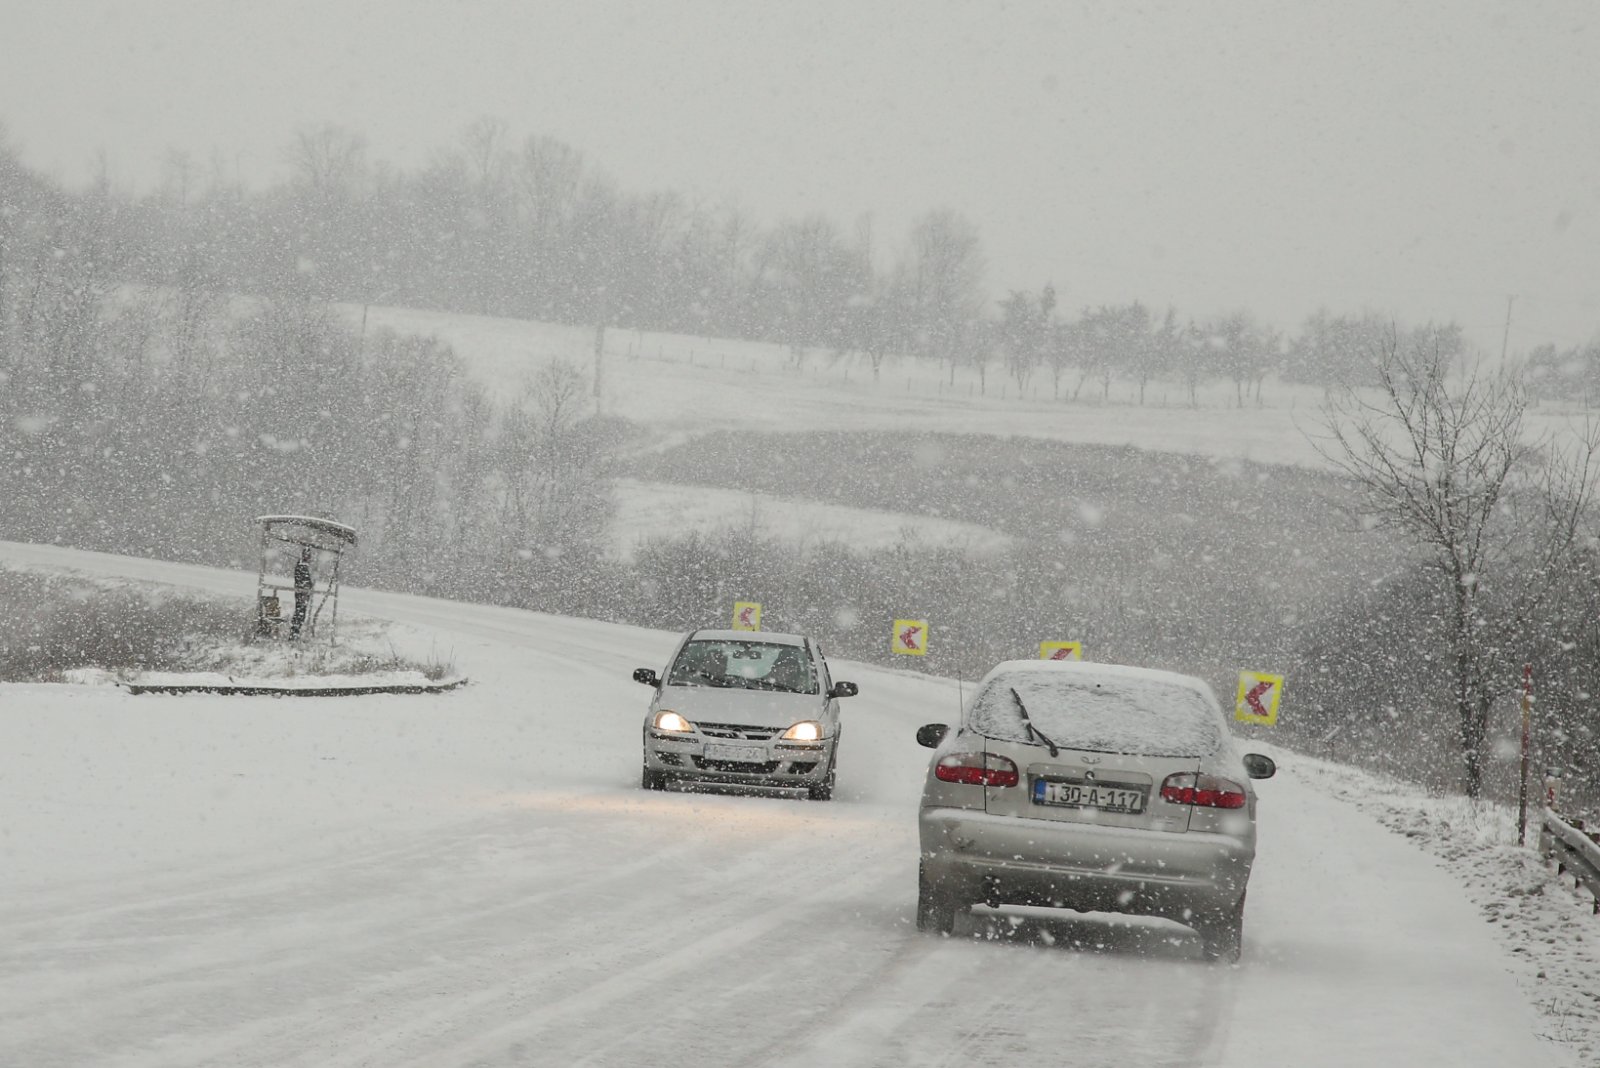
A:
(747, 665)
(1139, 717)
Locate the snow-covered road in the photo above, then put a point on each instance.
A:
(475, 878)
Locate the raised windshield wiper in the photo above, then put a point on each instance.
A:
(1055, 750)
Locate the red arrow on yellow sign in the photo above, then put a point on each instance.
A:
(1258, 698)
(910, 637)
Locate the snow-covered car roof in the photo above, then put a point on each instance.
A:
(1110, 671)
(769, 637)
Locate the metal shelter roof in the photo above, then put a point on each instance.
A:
(308, 530)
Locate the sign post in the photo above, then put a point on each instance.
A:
(1060, 650)
(1259, 695)
(746, 615)
(910, 637)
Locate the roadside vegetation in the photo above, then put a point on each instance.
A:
(58, 627)
(55, 625)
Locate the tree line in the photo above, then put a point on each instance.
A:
(534, 229)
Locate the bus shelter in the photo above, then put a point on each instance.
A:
(299, 575)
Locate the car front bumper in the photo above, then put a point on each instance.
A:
(973, 857)
(781, 763)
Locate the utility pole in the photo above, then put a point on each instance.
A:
(599, 357)
(602, 314)
(1505, 339)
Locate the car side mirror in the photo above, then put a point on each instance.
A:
(929, 735)
(1258, 766)
(646, 676)
(844, 689)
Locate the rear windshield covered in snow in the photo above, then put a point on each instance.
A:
(1140, 717)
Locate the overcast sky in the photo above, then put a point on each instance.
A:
(1424, 160)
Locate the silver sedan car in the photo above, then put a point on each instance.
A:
(743, 708)
(1092, 787)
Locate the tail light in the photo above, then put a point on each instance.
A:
(977, 769)
(1207, 791)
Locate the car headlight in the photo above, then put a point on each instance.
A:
(668, 720)
(805, 731)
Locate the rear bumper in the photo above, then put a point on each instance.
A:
(783, 764)
(973, 856)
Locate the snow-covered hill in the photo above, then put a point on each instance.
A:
(679, 385)
(475, 878)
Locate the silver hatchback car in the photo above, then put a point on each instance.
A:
(1093, 787)
(744, 708)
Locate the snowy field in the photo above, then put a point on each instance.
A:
(648, 510)
(475, 878)
(679, 385)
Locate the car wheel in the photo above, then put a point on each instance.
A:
(1222, 936)
(652, 780)
(823, 791)
(936, 908)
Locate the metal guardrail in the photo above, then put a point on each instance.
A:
(1574, 849)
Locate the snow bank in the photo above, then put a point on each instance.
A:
(1547, 927)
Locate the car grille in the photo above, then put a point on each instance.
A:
(736, 767)
(734, 730)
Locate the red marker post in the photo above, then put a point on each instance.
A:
(1527, 725)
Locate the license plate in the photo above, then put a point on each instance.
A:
(746, 754)
(1106, 796)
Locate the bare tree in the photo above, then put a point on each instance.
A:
(1157, 351)
(328, 158)
(1245, 351)
(1447, 464)
(941, 280)
(552, 456)
(1024, 331)
(483, 143)
(811, 277)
